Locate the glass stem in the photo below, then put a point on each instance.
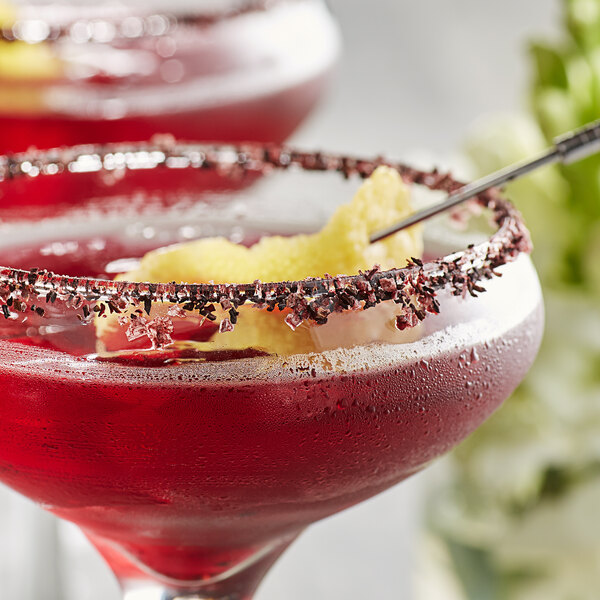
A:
(184, 596)
(236, 585)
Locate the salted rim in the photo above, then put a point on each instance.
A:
(412, 287)
(134, 25)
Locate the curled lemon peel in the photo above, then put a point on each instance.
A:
(341, 247)
(22, 61)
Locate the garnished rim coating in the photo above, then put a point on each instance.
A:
(137, 25)
(412, 287)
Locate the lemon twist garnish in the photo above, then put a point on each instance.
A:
(7, 14)
(23, 61)
(341, 247)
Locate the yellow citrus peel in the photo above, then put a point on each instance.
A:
(23, 61)
(341, 247)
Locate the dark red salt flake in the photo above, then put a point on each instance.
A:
(363, 286)
(406, 319)
(225, 326)
(319, 312)
(293, 321)
(76, 301)
(159, 332)
(112, 307)
(388, 285)
(369, 274)
(225, 303)
(137, 329)
(297, 302)
(175, 310)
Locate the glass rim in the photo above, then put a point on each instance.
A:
(132, 24)
(413, 287)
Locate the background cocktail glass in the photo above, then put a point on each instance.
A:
(125, 71)
(190, 471)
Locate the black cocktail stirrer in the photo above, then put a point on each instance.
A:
(567, 149)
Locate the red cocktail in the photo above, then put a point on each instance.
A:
(192, 466)
(234, 71)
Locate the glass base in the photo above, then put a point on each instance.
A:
(149, 592)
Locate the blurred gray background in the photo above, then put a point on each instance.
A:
(414, 76)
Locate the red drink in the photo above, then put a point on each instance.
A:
(196, 469)
(247, 77)
(238, 466)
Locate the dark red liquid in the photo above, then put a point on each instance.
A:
(182, 472)
(252, 78)
(271, 117)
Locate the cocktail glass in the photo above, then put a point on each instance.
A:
(248, 70)
(191, 466)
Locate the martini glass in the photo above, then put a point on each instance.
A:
(247, 70)
(192, 465)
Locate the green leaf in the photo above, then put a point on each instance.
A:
(549, 66)
(583, 22)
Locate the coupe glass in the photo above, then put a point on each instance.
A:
(190, 463)
(247, 70)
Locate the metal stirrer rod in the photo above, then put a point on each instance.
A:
(567, 149)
